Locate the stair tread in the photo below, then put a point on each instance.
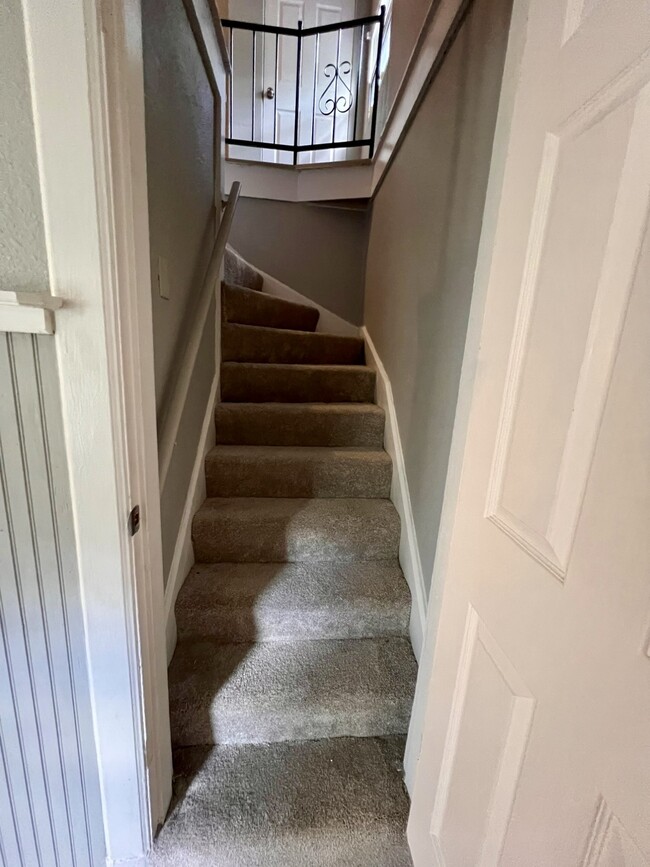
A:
(324, 453)
(250, 307)
(256, 343)
(276, 330)
(295, 424)
(272, 507)
(286, 529)
(291, 368)
(290, 690)
(259, 382)
(297, 471)
(306, 408)
(355, 815)
(278, 601)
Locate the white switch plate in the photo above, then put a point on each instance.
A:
(163, 278)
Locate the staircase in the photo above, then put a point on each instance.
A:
(292, 681)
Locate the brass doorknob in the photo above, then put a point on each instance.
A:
(269, 93)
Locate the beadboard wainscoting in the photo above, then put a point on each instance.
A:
(50, 810)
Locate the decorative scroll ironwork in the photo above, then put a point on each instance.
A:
(339, 103)
(336, 98)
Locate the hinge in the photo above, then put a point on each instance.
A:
(134, 520)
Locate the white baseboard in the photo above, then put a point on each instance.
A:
(409, 556)
(327, 321)
(183, 558)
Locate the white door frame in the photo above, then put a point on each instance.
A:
(86, 74)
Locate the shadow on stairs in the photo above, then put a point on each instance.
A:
(292, 681)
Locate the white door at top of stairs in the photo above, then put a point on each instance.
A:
(317, 118)
(536, 749)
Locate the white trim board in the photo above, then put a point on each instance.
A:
(28, 312)
(289, 184)
(409, 556)
(183, 557)
(352, 181)
(328, 322)
(91, 159)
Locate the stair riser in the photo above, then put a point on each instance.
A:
(281, 347)
(241, 383)
(264, 693)
(247, 307)
(261, 425)
(208, 727)
(239, 273)
(297, 478)
(227, 625)
(216, 542)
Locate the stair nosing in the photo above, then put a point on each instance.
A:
(365, 368)
(294, 331)
(303, 450)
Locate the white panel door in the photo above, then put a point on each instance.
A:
(536, 746)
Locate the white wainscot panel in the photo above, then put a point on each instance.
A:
(610, 844)
(588, 224)
(490, 721)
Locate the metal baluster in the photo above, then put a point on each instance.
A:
(344, 91)
(232, 82)
(253, 89)
(297, 106)
(275, 94)
(359, 62)
(373, 128)
(313, 111)
(336, 85)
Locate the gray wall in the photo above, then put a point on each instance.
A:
(407, 20)
(50, 810)
(316, 250)
(180, 126)
(426, 222)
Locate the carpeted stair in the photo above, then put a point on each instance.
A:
(292, 681)
(303, 471)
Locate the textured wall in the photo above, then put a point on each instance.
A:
(318, 251)
(180, 172)
(180, 124)
(50, 812)
(407, 21)
(425, 228)
(23, 262)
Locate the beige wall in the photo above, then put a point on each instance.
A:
(180, 122)
(426, 222)
(317, 250)
(406, 23)
(23, 259)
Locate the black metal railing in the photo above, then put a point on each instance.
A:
(303, 91)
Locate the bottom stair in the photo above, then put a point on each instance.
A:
(333, 803)
(290, 690)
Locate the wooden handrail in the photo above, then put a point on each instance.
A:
(173, 411)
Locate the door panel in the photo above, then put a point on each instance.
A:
(490, 718)
(536, 749)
